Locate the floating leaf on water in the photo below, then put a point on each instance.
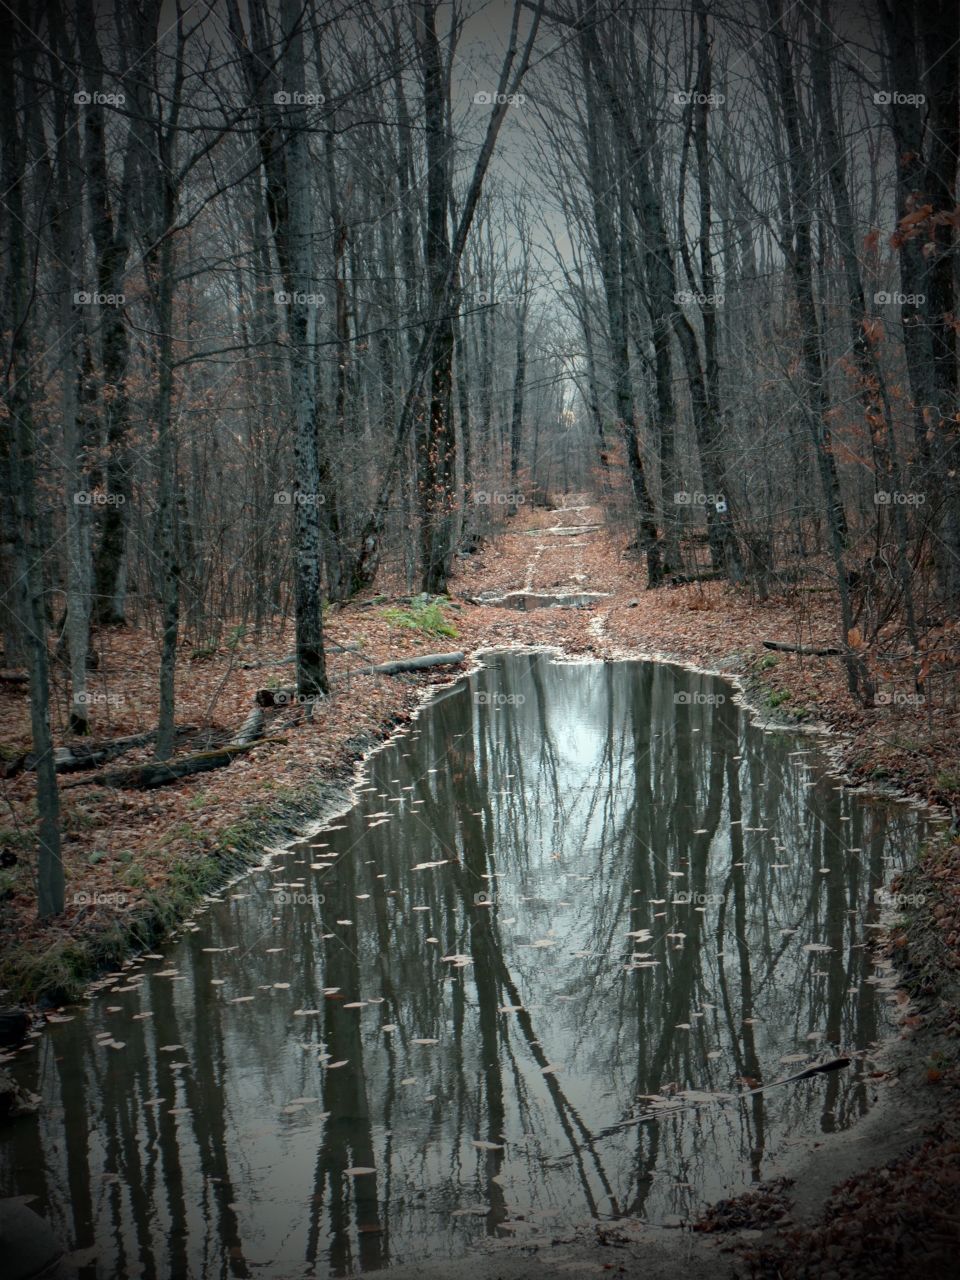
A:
(409, 1080)
(715, 1053)
(330, 991)
(355, 1004)
(344, 922)
(305, 1013)
(166, 973)
(240, 999)
(482, 1145)
(816, 946)
(301, 1102)
(513, 1008)
(169, 1048)
(359, 1171)
(332, 1066)
(424, 1041)
(217, 982)
(475, 1211)
(390, 1026)
(549, 1070)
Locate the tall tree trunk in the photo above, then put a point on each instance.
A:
(437, 439)
(873, 386)
(67, 233)
(615, 285)
(368, 558)
(163, 266)
(799, 241)
(519, 379)
(310, 664)
(17, 468)
(800, 257)
(110, 231)
(922, 45)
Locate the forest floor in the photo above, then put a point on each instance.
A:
(137, 861)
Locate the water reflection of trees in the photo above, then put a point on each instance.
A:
(585, 801)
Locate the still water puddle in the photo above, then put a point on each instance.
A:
(574, 910)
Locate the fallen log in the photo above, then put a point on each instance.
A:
(288, 696)
(252, 728)
(82, 756)
(689, 579)
(408, 664)
(157, 773)
(808, 651)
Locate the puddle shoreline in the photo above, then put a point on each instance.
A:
(351, 797)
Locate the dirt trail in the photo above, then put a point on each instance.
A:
(569, 550)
